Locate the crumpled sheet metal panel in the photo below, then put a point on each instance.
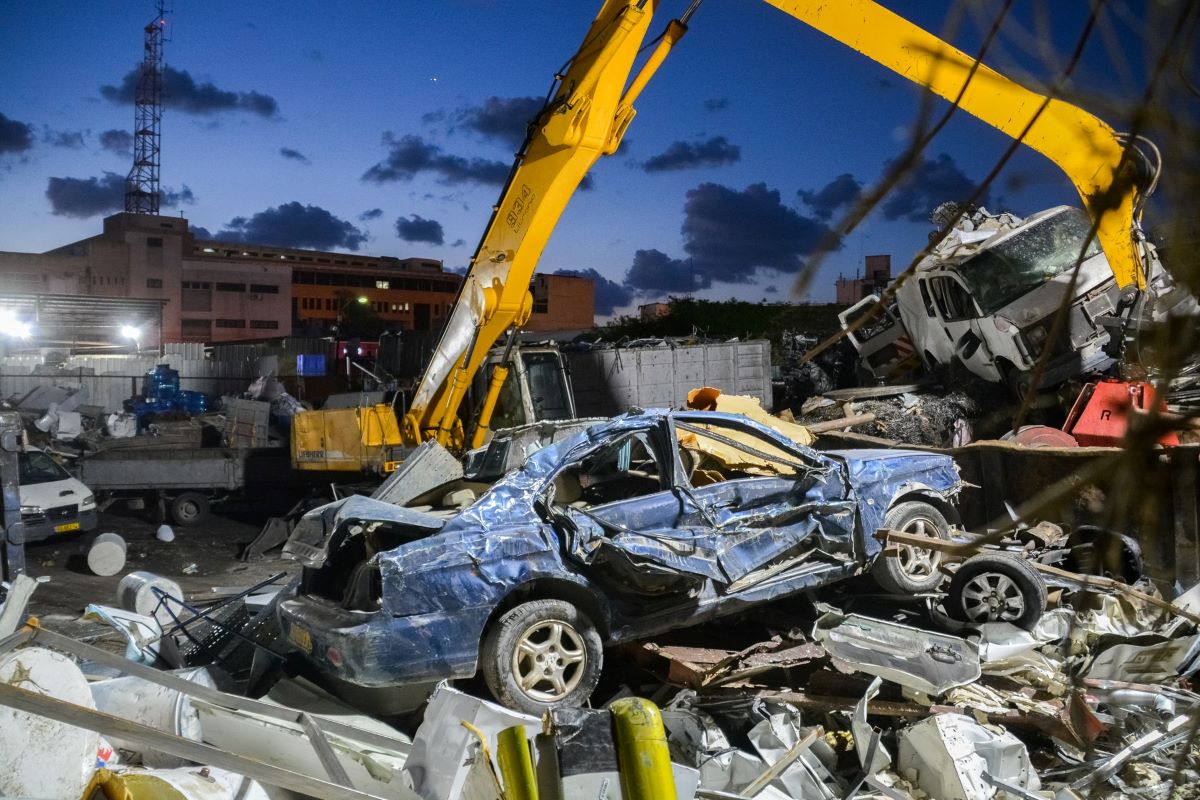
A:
(928, 662)
(426, 468)
(312, 537)
(873, 474)
(948, 755)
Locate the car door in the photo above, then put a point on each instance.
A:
(960, 318)
(769, 502)
(626, 522)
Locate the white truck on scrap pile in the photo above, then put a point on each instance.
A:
(986, 297)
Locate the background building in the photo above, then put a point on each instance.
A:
(212, 291)
(877, 275)
(562, 303)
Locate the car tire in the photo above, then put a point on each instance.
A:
(541, 655)
(189, 508)
(997, 587)
(915, 569)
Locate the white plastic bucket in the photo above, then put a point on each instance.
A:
(157, 706)
(106, 556)
(135, 593)
(40, 757)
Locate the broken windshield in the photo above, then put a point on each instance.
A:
(1020, 264)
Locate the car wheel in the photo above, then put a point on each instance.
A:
(189, 508)
(914, 569)
(997, 587)
(540, 655)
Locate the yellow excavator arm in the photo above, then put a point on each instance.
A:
(1084, 147)
(585, 118)
(591, 108)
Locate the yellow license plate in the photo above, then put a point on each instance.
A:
(300, 637)
(66, 526)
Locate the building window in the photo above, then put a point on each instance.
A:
(541, 306)
(264, 288)
(231, 323)
(231, 287)
(196, 327)
(153, 283)
(382, 285)
(195, 285)
(154, 241)
(264, 324)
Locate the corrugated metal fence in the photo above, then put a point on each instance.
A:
(110, 380)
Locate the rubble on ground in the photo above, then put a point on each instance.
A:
(862, 694)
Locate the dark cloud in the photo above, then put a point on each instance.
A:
(182, 93)
(716, 152)
(71, 140)
(411, 155)
(171, 198)
(610, 295)
(729, 234)
(294, 155)
(117, 141)
(923, 189)
(86, 197)
(654, 272)
(716, 104)
(501, 119)
(294, 225)
(15, 137)
(367, 216)
(839, 192)
(200, 232)
(772, 289)
(458, 242)
(414, 228)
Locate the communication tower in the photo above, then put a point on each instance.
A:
(141, 184)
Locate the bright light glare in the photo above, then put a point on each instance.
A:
(362, 300)
(11, 326)
(130, 332)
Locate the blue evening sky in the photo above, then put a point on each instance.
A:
(285, 106)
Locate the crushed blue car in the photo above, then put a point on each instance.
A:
(647, 522)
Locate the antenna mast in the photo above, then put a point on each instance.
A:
(141, 184)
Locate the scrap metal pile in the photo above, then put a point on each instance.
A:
(667, 604)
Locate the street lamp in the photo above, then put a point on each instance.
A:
(362, 300)
(11, 325)
(134, 334)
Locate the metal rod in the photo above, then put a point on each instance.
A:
(329, 760)
(145, 736)
(87, 652)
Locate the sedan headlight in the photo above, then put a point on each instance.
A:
(31, 511)
(88, 501)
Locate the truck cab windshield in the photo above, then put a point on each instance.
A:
(1021, 263)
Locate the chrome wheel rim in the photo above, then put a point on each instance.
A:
(917, 562)
(992, 597)
(549, 660)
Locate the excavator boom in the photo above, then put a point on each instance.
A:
(590, 109)
(1084, 147)
(584, 119)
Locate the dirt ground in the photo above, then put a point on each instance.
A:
(208, 550)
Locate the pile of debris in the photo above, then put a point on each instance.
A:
(1092, 700)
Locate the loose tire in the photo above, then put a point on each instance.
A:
(915, 569)
(997, 587)
(189, 508)
(541, 655)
